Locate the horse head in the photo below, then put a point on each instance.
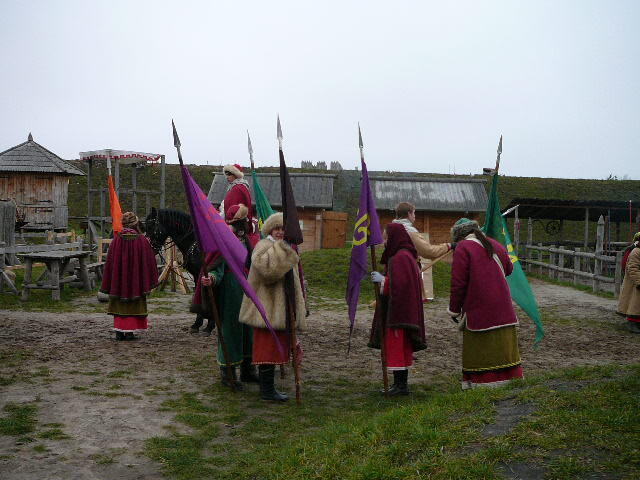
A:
(155, 231)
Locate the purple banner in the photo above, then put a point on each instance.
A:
(214, 235)
(366, 232)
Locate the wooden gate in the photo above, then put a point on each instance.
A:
(334, 228)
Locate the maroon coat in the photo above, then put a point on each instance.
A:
(479, 287)
(238, 194)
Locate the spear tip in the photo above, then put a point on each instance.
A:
(249, 143)
(360, 136)
(279, 129)
(176, 139)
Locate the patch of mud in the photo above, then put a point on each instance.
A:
(520, 471)
(509, 413)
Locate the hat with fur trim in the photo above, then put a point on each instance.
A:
(129, 220)
(236, 212)
(463, 227)
(274, 221)
(235, 170)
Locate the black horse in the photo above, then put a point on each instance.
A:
(164, 223)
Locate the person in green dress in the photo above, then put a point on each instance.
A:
(228, 294)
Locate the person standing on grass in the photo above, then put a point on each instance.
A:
(629, 302)
(271, 260)
(400, 306)
(130, 273)
(481, 304)
(406, 216)
(237, 337)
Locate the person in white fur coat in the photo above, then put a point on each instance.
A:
(272, 258)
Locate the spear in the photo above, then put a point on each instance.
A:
(293, 235)
(376, 289)
(250, 150)
(499, 153)
(208, 290)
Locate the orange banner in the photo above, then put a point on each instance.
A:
(114, 206)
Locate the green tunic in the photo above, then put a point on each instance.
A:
(237, 336)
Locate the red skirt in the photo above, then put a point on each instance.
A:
(129, 324)
(398, 349)
(493, 377)
(265, 349)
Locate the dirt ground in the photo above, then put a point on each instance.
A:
(71, 355)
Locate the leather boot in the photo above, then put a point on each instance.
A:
(248, 373)
(229, 382)
(399, 386)
(267, 389)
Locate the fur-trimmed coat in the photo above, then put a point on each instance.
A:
(629, 302)
(270, 261)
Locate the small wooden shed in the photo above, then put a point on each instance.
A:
(37, 180)
(321, 228)
(439, 201)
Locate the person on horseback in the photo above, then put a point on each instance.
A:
(239, 193)
(237, 337)
(130, 273)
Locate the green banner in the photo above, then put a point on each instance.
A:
(495, 227)
(263, 207)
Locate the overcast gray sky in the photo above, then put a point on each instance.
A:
(433, 84)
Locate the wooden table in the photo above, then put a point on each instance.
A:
(53, 277)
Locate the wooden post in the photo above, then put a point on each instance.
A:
(134, 186)
(28, 270)
(529, 243)
(55, 279)
(576, 266)
(539, 259)
(162, 181)
(116, 179)
(559, 274)
(552, 262)
(89, 202)
(516, 233)
(586, 228)
(618, 274)
(597, 266)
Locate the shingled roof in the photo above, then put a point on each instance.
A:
(33, 157)
(313, 190)
(426, 193)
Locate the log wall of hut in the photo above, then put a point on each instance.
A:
(40, 197)
(311, 225)
(436, 224)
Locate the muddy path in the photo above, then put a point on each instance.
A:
(107, 396)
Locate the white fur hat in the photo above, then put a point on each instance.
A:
(235, 170)
(275, 220)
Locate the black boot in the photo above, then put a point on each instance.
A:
(399, 386)
(229, 382)
(248, 372)
(267, 389)
(119, 336)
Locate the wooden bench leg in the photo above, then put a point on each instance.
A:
(84, 275)
(55, 280)
(27, 279)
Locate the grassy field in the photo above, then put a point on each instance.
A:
(568, 424)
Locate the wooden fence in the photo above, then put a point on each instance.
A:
(601, 270)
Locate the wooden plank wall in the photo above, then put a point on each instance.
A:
(41, 197)
(311, 223)
(334, 229)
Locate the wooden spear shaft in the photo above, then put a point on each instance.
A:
(383, 325)
(435, 260)
(293, 339)
(208, 291)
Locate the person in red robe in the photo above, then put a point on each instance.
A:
(481, 304)
(239, 193)
(400, 306)
(130, 273)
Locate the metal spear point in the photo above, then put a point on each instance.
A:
(279, 133)
(360, 143)
(176, 141)
(250, 149)
(499, 153)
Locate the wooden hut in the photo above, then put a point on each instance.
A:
(37, 180)
(321, 228)
(439, 201)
